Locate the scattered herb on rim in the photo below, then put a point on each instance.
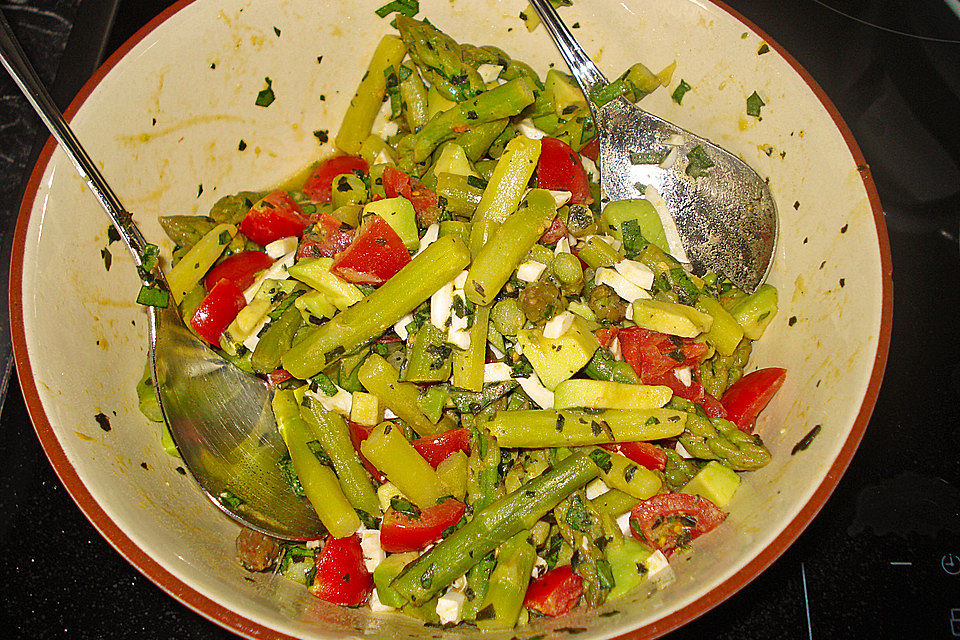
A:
(266, 96)
(754, 102)
(680, 91)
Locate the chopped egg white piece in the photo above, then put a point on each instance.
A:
(530, 270)
(279, 248)
(429, 237)
(673, 140)
(373, 555)
(671, 158)
(615, 343)
(450, 607)
(497, 372)
(459, 333)
(401, 326)
(558, 325)
(312, 544)
(376, 606)
(682, 451)
(596, 488)
(389, 415)
(563, 246)
(527, 128)
(561, 197)
(623, 521)
(628, 314)
(276, 271)
(254, 338)
(669, 226)
(624, 288)
(636, 272)
(461, 280)
(537, 392)
(591, 168)
(489, 72)
(659, 571)
(540, 567)
(440, 306)
(460, 583)
(684, 375)
(341, 402)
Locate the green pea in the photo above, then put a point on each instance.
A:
(507, 317)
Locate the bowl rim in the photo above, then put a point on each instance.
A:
(239, 624)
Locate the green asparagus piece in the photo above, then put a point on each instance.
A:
(614, 502)
(276, 340)
(619, 472)
(437, 265)
(755, 312)
(603, 366)
(391, 453)
(428, 357)
(462, 197)
(504, 101)
(508, 584)
(482, 490)
(506, 186)
(570, 427)
(493, 526)
(718, 373)
(626, 556)
(197, 261)
(413, 95)
(601, 394)
(331, 432)
(503, 252)
(363, 109)
(380, 378)
(719, 439)
(678, 470)
(185, 231)
(476, 140)
(468, 364)
(319, 481)
(597, 253)
(440, 59)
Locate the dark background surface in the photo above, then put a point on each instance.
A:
(881, 560)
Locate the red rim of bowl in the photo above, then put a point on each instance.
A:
(237, 623)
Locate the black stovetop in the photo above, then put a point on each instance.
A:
(881, 560)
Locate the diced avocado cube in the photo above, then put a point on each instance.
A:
(755, 312)
(453, 474)
(725, 333)
(365, 409)
(557, 359)
(314, 304)
(671, 318)
(645, 215)
(715, 482)
(625, 561)
(562, 91)
(315, 272)
(399, 214)
(384, 574)
(436, 103)
(600, 394)
(453, 160)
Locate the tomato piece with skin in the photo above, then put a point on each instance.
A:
(359, 433)
(554, 593)
(402, 532)
(651, 354)
(374, 256)
(241, 268)
(325, 237)
(557, 230)
(397, 183)
(319, 183)
(749, 395)
(274, 216)
(217, 310)
(591, 149)
(342, 578)
(645, 454)
(671, 520)
(436, 449)
(606, 335)
(559, 169)
(278, 376)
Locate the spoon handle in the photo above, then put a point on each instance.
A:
(582, 67)
(20, 69)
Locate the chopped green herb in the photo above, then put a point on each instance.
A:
(317, 450)
(242, 145)
(680, 91)
(107, 258)
(405, 507)
(266, 96)
(699, 162)
(321, 382)
(199, 190)
(153, 297)
(229, 500)
(323, 135)
(408, 8)
(763, 49)
(602, 459)
(806, 440)
(112, 235)
(648, 157)
(754, 102)
(577, 516)
(276, 31)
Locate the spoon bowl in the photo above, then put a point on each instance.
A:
(218, 416)
(725, 216)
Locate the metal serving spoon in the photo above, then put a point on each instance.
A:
(219, 417)
(726, 217)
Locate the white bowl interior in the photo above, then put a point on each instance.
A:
(169, 117)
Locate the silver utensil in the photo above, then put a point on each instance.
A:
(726, 217)
(219, 417)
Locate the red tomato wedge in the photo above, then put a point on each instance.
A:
(342, 578)
(651, 354)
(605, 336)
(240, 268)
(374, 256)
(359, 433)
(278, 376)
(643, 453)
(560, 169)
(591, 149)
(319, 183)
(397, 183)
(671, 520)
(402, 532)
(557, 230)
(436, 449)
(749, 395)
(274, 216)
(217, 311)
(554, 593)
(325, 237)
